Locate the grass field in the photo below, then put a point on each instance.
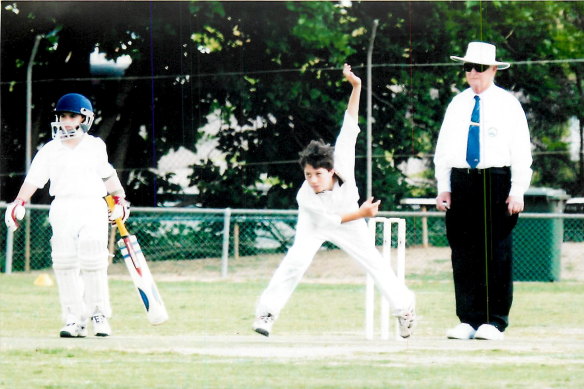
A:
(317, 343)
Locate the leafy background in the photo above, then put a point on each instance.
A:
(265, 76)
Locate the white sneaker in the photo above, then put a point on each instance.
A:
(263, 324)
(74, 328)
(461, 331)
(101, 325)
(407, 322)
(489, 332)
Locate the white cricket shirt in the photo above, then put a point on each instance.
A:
(77, 172)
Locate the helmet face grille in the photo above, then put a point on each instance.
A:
(59, 132)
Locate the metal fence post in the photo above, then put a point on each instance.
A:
(28, 221)
(225, 251)
(9, 250)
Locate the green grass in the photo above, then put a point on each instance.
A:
(125, 370)
(317, 342)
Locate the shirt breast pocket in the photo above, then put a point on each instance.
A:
(496, 136)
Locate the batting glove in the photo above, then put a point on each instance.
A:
(121, 209)
(14, 212)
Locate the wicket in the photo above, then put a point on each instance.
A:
(400, 273)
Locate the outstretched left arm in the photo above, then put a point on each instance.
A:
(367, 209)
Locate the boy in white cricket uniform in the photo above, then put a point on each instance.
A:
(80, 175)
(328, 211)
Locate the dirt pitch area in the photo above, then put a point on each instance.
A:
(341, 348)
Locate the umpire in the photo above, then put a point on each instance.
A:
(482, 161)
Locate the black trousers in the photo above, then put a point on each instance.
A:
(479, 228)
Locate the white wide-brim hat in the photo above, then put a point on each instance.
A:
(481, 53)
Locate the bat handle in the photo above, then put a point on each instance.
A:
(119, 223)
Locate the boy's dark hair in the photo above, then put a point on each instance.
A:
(317, 154)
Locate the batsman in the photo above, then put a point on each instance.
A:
(76, 164)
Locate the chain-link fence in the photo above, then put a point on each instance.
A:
(545, 245)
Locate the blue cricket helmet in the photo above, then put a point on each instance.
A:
(74, 103)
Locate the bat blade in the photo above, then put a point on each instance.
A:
(143, 280)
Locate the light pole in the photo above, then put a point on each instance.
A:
(369, 119)
(35, 47)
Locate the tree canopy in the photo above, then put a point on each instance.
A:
(259, 80)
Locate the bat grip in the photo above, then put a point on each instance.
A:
(111, 203)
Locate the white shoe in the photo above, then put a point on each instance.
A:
(461, 331)
(74, 328)
(407, 323)
(263, 324)
(489, 332)
(101, 325)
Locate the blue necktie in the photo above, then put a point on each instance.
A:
(473, 147)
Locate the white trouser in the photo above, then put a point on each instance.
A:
(352, 237)
(80, 256)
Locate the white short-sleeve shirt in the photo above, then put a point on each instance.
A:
(325, 209)
(73, 172)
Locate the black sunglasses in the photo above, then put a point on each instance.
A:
(469, 66)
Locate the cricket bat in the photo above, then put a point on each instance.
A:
(138, 268)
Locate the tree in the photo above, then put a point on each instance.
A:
(270, 73)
